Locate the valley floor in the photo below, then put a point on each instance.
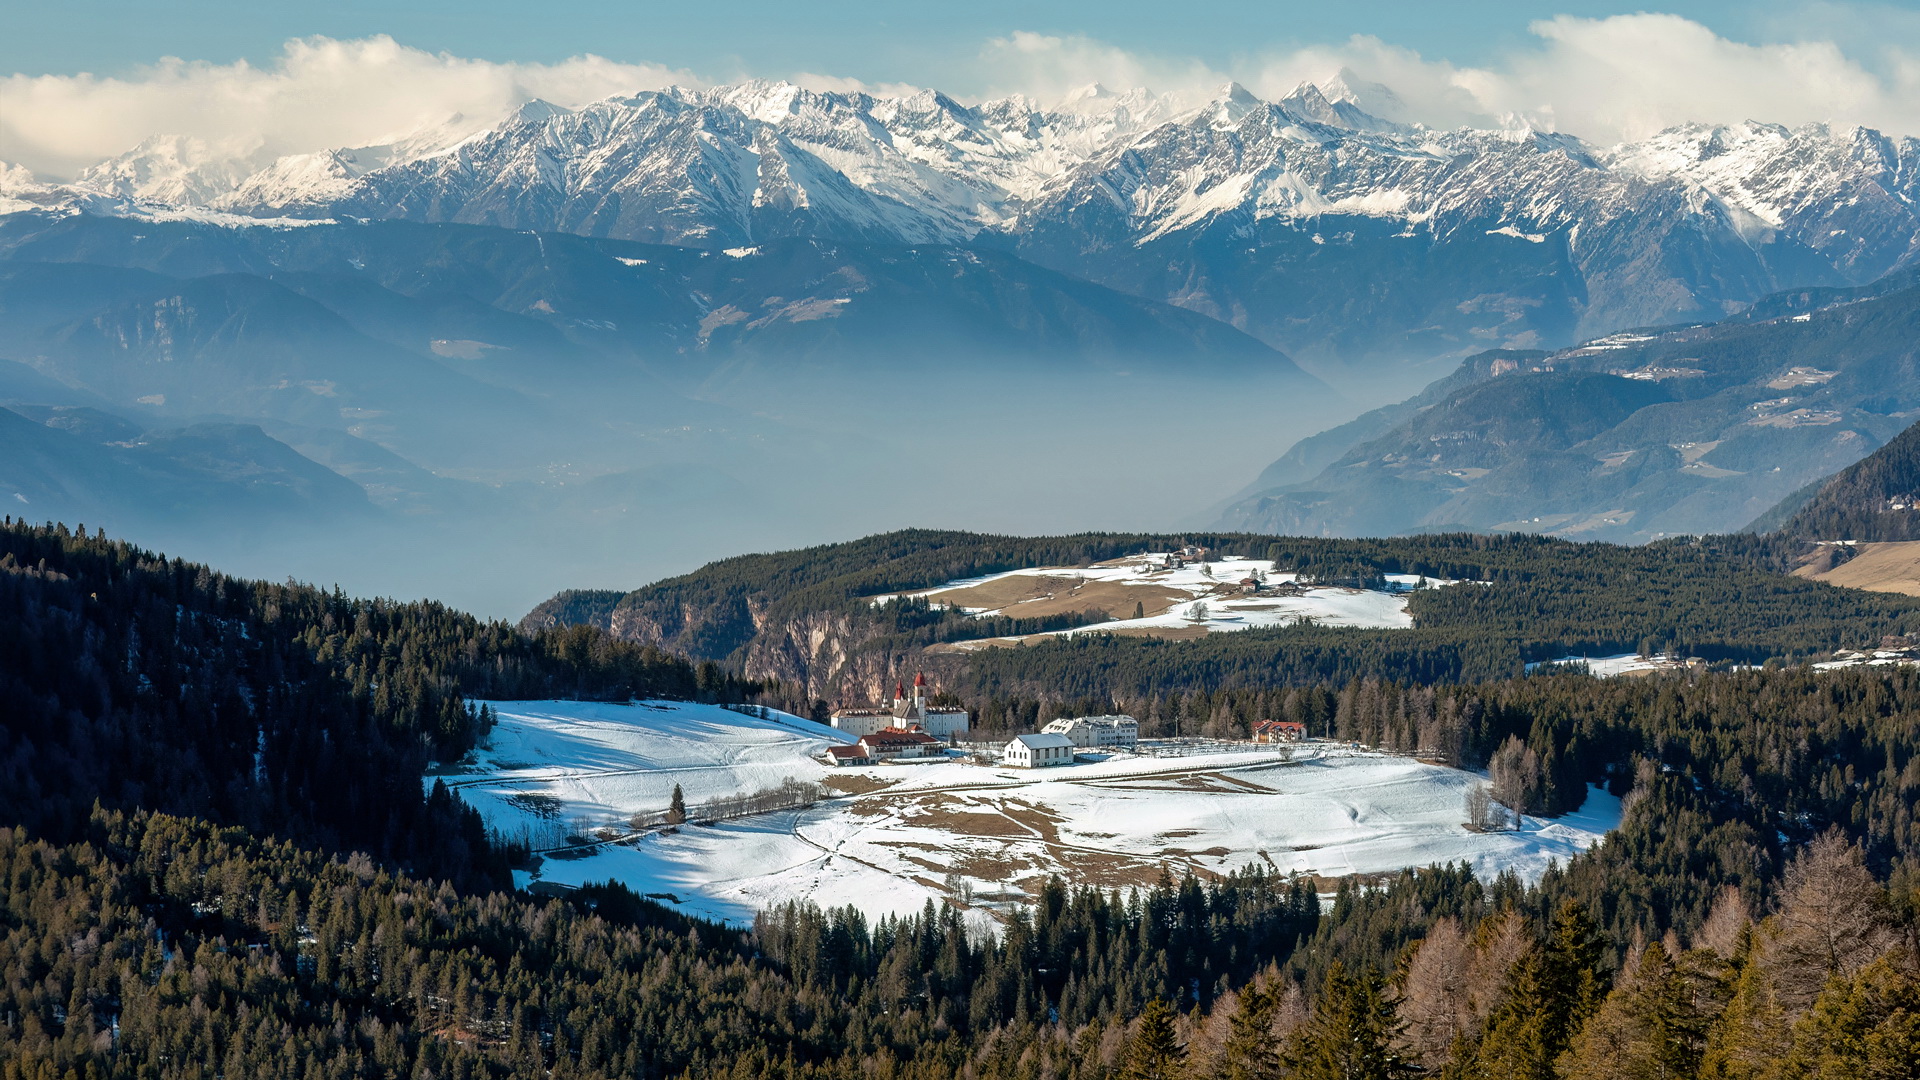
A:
(888, 838)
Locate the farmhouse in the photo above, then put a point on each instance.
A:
(907, 712)
(1276, 731)
(1038, 751)
(847, 755)
(1092, 731)
(892, 744)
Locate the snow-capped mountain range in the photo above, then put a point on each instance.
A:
(1333, 233)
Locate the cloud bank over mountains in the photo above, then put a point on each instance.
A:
(1605, 80)
(320, 93)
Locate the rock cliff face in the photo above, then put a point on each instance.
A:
(825, 651)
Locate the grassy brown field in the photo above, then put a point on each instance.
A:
(1892, 567)
(1029, 596)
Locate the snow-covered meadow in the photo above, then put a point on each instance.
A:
(891, 837)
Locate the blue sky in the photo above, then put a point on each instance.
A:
(879, 42)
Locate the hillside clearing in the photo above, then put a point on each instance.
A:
(978, 835)
(1174, 603)
(1892, 566)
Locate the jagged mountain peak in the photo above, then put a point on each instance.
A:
(1221, 200)
(173, 169)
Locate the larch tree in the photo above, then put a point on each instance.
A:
(1833, 920)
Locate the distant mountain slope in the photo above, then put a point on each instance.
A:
(78, 465)
(1875, 499)
(530, 312)
(1640, 435)
(1359, 243)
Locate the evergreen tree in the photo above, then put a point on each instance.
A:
(1866, 1027)
(1550, 994)
(677, 808)
(1648, 1029)
(1153, 1052)
(1251, 1052)
(1352, 1035)
(1752, 1036)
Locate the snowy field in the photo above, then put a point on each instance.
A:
(1606, 667)
(1185, 599)
(898, 835)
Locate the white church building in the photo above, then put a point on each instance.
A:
(907, 714)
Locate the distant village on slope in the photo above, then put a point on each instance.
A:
(912, 729)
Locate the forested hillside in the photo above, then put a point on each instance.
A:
(806, 616)
(134, 681)
(1876, 498)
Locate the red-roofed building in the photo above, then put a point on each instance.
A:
(848, 755)
(892, 744)
(1275, 731)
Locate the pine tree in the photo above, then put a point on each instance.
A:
(677, 809)
(1352, 1034)
(1153, 1053)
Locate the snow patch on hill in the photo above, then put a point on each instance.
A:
(1217, 601)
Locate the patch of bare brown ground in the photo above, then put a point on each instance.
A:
(855, 784)
(1033, 596)
(1892, 567)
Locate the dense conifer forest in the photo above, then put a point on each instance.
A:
(218, 859)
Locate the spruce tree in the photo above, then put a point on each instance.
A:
(1650, 1026)
(1250, 1052)
(677, 809)
(1352, 1035)
(1153, 1053)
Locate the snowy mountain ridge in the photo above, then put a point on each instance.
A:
(1259, 213)
(956, 170)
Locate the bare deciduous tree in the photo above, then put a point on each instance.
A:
(1833, 920)
(1483, 813)
(1517, 777)
(1434, 998)
(1725, 921)
(1499, 943)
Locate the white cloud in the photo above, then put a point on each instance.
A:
(1048, 68)
(1605, 79)
(1631, 75)
(319, 93)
